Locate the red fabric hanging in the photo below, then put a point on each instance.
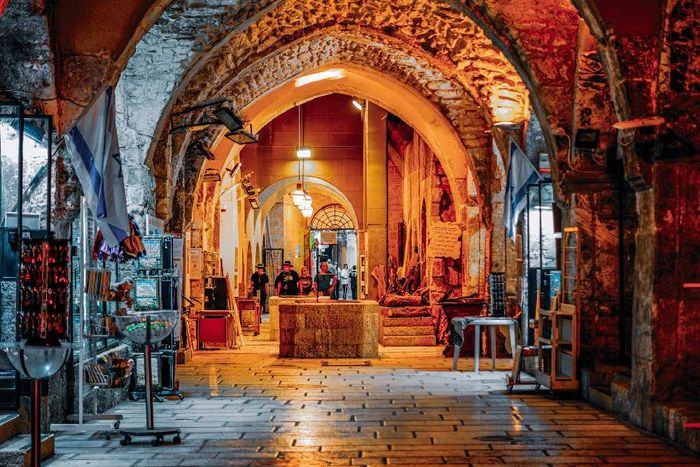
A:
(3, 5)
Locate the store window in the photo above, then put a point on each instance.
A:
(27, 142)
(539, 246)
(98, 329)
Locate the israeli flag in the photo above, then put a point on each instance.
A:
(521, 174)
(93, 149)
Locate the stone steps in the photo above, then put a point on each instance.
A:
(17, 452)
(9, 426)
(408, 341)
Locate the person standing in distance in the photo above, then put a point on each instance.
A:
(344, 281)
(259, 281)
(353, 283)
(325, 282)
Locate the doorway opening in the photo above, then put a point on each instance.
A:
(333, 239)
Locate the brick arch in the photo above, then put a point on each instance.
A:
(261, 105)
(277, 191)
(432, 31)
(459, 109)
(538, 46)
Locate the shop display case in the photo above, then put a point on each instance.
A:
(40, 345)
(43, 290)
(148, 328)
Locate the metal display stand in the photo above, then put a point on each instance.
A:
(48, 351)
(36, 363)
(83, 335)
(167, 270)
(148, 328)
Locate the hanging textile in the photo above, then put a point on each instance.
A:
(521, 174)
(93, 150)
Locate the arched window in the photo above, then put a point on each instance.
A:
(332, 217)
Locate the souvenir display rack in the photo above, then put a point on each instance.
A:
(558, 348)
(497, 294)
(157, 287)
(149, 328)
(93, 325)
(43, 290)
(41, 323)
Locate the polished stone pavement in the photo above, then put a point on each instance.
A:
(249, 407)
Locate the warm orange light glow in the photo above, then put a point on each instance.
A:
(334, 73)
(507, 107)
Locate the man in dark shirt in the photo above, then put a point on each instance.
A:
(287, 281)
(325, 281)
(259, 281)
(353, 282)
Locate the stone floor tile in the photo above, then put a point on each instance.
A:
(249, 407)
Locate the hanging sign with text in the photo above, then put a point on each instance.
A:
(444, 240)
(196, 263)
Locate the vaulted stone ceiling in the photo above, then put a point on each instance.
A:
(284, 64)
(184, 51)
(432, 46)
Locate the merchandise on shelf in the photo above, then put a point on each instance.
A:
(44, 292)
(110, 372)
(130, 248)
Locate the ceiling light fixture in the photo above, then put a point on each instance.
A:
(307, 212)
(508, 125)
(229, 119)
(304, 153)
(243, 137)
(199, 117)
(306, 202)
(298, 195)
(211, 175)
(334, 73)
(357, 105)
(234, 170)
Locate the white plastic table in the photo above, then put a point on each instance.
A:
(460, 324)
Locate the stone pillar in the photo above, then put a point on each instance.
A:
(374, 191)
(643, 313)
(473, 248)
(293, 233)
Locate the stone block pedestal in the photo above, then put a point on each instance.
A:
(329, 329)
(273, 306)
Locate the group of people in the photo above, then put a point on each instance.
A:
(290, 283)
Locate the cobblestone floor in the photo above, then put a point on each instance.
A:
(249, 407)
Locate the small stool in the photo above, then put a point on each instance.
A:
(520, 354)
(459, 324)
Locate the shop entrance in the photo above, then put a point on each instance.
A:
(333, 239)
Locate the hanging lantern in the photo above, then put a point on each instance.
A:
(298, 196)
(306, 202)
(307, 212)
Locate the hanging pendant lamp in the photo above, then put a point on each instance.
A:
(298, 195)
(306, 202)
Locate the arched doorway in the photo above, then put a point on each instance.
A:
(333, 239)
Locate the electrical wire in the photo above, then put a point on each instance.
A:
(43, 99)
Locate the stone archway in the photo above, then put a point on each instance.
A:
(397, 98)
(276, 192)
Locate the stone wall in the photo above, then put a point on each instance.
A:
(676, 358)
(416, 174)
